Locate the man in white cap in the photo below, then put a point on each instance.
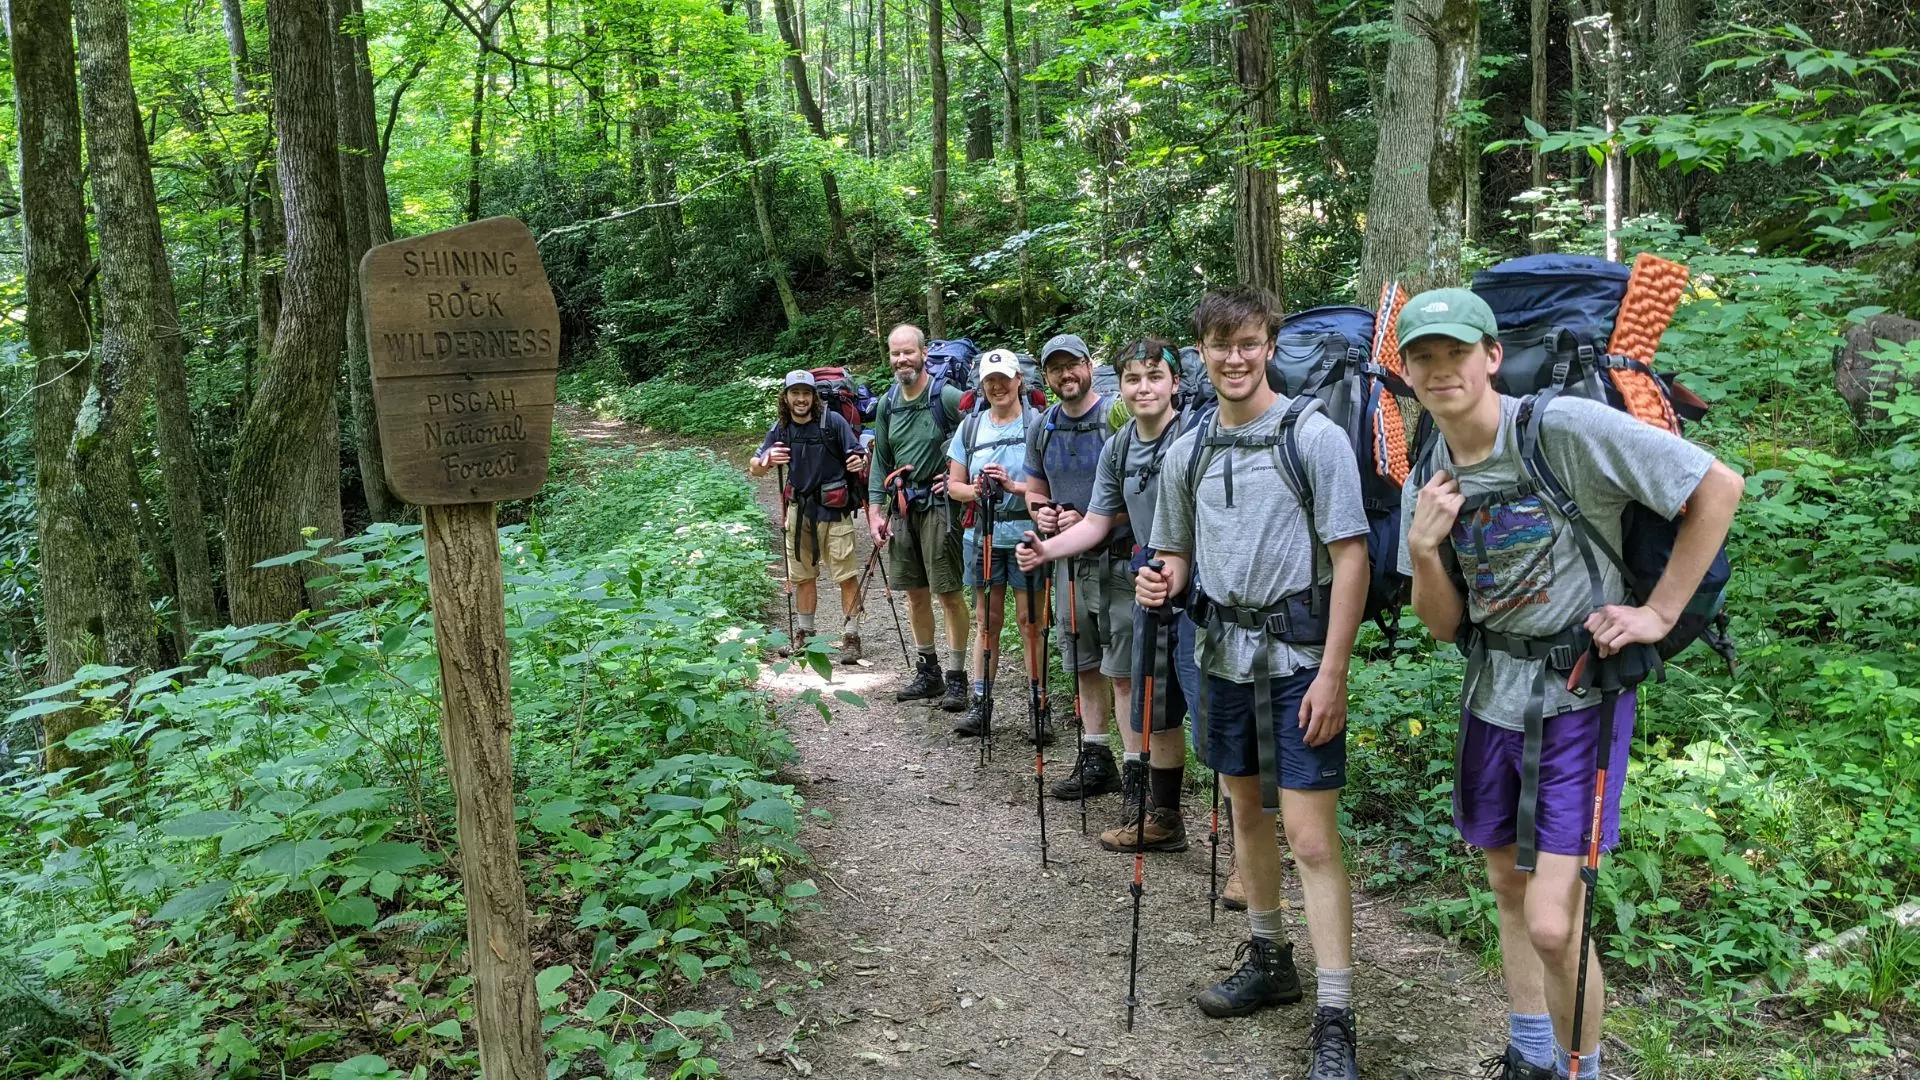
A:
(822, 457)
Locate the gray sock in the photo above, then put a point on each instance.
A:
(960, 658)
(805, 621)
(853, 624)
(1563, 1063)
(1093, 739)
(1335, 987)
(1271, 925)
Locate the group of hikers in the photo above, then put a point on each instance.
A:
(1211, 558)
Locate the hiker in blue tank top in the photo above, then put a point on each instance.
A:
(1282, 582)
(1529, 584)
(1125, 488)
(990, 446)
(1063, 455)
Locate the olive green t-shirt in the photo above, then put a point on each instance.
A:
(905, 432)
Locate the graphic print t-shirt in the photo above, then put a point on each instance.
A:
(1531, 580)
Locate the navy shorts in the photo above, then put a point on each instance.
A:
(1232, 749)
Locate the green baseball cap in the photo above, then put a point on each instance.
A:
(1455, 313)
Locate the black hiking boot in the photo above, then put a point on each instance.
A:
(849, 654)
(955, 699)
(1097, 775)
(1513, 1065)
(1332, 1045)
(974, 724)
(1265, 979)
(1046, 732)
(926, 682)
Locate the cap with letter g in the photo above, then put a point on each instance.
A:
(1000, 362)
(1459, 314)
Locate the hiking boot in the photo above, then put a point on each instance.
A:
(955, 699)
(1233, 895)
(1266, 978)
(974, 724)
(1046, 732)
(1331, 1045)
(926, 682)
(1513, 1065)
(1165, 832)
(849, 651)
(1095, 772)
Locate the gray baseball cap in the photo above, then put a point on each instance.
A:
(1065, 343)
(801, 378)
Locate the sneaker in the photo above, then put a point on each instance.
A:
(1095, 773)
(1266, 978)
(926, 682)
(956, 699)
(1331, 1044)
(849, 651)
(976, 722)
(1165, 832)
(1513, 1065)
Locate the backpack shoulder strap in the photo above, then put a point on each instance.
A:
(1293, 467)
(1527, 423)
(969, 436)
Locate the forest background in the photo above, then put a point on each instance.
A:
(226, 850)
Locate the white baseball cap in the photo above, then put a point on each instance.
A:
(1000, 362)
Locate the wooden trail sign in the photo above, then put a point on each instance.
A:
(464, 340)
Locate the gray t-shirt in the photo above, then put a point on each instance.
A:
(1133, 485)
(1535, 584)
(1260, 550)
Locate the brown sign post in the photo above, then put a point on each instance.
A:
(464, 338)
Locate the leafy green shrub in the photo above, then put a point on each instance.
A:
(666, 405)
(264, 875)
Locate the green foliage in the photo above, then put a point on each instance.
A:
(263, 876)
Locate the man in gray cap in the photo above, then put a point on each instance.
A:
(1096, 640)
(822, 457)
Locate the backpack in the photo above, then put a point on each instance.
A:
(1557, 315)
(1196, 389)
(975, 399)
(839, 393)
(1330, 355)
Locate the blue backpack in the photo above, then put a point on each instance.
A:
(1556, 315)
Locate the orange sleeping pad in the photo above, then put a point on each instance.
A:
(1389, 430)
(1653, 296)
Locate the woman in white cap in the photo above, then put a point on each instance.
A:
(822, 457)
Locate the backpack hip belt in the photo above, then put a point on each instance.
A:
(1296, 619)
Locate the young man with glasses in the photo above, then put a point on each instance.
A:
(1281, 551)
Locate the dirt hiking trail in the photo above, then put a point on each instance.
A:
(945, 951)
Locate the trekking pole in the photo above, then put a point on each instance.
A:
(1073, 647)
(1590, 871)
(1213, 841)
(786, 566)
(1145, 656)
(1036, 710)
(988, 491)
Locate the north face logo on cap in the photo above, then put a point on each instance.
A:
(1437, 305)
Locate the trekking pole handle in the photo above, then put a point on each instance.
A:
(1159, 566)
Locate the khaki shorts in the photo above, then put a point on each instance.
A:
(925, 551)
(1105, 616)
(833, 538)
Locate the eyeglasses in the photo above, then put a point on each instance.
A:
(1248, 350)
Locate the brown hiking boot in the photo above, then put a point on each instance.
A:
(1165, 832)
(1233, 896)
(849, 654)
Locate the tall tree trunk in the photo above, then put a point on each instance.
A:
(796, 63)
(263, 211)
(937, 71)
(1415, 212)
(1016, 150)
(233, 19)
(116, 399)
(274, 452)
(1540, 12)
(379, 204)
(660, 185)
(979, 100)
(356, 227)
(47, 104)
(866, 83)
(173, 431)
(476, 144)
(1256, 229)
(1313, 57)
(886, 95)
(1577, 87)
(1674, 24)
(763, 214)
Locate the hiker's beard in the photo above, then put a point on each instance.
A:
(801, 408)
(907, 372)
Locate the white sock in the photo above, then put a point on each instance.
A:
(1335, 987)
(804, 620)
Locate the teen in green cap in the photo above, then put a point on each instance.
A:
(1527, 596)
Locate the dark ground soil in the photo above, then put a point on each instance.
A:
(945, 949)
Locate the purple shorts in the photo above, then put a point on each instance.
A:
(1486, 796)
